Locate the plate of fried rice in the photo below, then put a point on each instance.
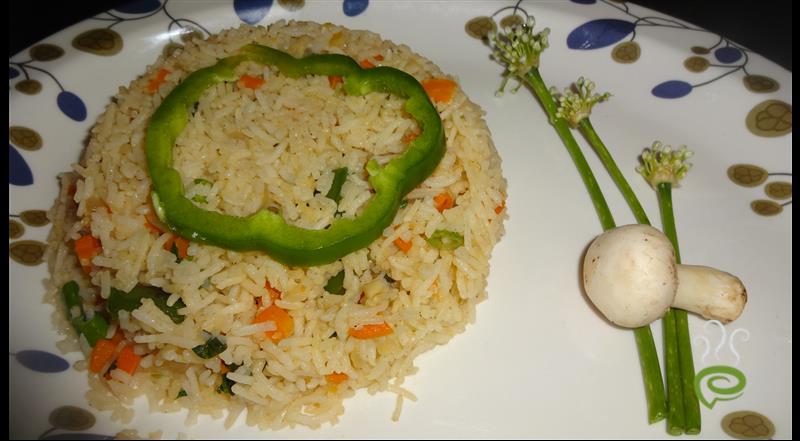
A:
(460, 312)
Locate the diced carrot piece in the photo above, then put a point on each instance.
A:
(410, 136)
(366, 64)
(367, 332)
(334, 80)
(155, 83)
(102, 354)
(282, 320)
(118, 336)
(151, 227)
(499, 209)
(274, 294)
(127, 360)
(440, 90)
(443, 201)
(223, 368)
(378, 57)
(179, 242)
(336, 377)
(250, 82)
(86, 248)
(153, 223)
(403, 245)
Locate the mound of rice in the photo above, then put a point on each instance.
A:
(276, 147)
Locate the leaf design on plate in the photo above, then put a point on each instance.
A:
(352, 8)
(27, 252)
(599, 33)
(728, 54)
(104, 42)
(766, 208)
(15, 229)
(139, 6)
(41, 361)
(29, 87)
(696, 64)
(779, 190)
(480, 27)
(18, 171)
(626, 52)
(251, 11)
(46, 52)
(12, 73)
(747, 175)
(760, 84)
(672, 89)
(71, 418)
(71, 105)
(34, 218)
(511, 21)
(292, 5)
(24, 138)
(746, 424)
(770, 118)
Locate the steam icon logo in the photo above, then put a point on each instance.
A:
(720, 382)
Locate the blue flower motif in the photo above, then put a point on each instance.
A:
(728, 54)
(18, 171)
(12, 73)
(352, 8)
(599, 33)
(41, 361)
(672, 89)
(584, 2)
(71, 105)
(251, 11)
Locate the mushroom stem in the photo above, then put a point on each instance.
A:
(709, 292)
(631, 276)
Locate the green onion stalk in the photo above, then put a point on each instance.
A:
(519, 48)
(575, 107)
(663, 168)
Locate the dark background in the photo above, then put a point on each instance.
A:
(764, 26)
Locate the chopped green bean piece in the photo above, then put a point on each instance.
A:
(446, 239)
(210, 348)
(335, 284)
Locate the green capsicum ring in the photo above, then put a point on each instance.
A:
(267, 231)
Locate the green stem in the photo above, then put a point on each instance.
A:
(675, 411)
(651, 375)
(608, 161)
(672, 364)
(534, 79)
(690, 403)
(648, 357)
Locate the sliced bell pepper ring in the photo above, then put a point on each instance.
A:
(268, 231)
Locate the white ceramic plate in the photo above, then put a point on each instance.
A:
(538, 362)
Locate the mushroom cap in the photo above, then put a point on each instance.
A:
(630, 274)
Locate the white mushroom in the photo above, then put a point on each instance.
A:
(630, 275)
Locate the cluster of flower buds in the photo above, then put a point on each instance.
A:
(576, 103)
(662, 164)
(518, 47)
